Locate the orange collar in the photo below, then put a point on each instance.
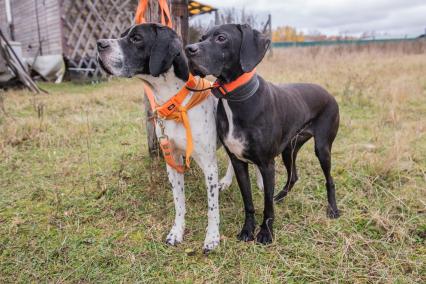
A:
(229, 87)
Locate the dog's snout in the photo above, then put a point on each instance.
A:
(102, 44)
(192, 49)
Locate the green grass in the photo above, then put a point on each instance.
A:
(81, 201)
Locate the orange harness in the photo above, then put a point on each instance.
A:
(173, 110)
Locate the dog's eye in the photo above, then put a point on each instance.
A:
(135, 38)
(221, 38)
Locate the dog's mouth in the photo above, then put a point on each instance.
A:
(103, 66)
(198, 70)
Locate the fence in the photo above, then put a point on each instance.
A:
(339, 42)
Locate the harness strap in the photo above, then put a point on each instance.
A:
(148, 92)
(173, 110)
(140, 11)
(164, 12)
(169, 107)
(167, 149)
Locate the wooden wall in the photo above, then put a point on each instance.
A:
(71, 27)
(3, 21)
(24, 14)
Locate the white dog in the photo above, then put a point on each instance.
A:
(154, 53)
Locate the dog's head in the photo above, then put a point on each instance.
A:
(148, 49)
(227, 51)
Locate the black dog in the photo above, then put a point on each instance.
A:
(258, 120)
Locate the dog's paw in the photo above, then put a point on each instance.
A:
(246, 235)
(210, 245)
(224, 184)
(174, 237)
(212, 240)
(332, 214)
(264, 236)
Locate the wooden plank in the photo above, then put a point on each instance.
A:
(24, 15)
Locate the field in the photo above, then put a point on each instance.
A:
(81, 201)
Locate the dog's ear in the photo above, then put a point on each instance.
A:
(126, 32)
(166, 47)
(253, 47)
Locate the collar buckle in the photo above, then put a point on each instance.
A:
(222, 89)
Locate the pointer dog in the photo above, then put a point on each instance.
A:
(155, 53)
(259, 120)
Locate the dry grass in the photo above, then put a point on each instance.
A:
(80, 200)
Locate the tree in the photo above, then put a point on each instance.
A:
(287, 33)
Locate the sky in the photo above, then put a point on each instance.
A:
(332, 17)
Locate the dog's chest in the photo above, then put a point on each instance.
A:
(233, 140)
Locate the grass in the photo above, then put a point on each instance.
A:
(81, 201)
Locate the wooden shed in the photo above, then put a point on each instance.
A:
(71, 27)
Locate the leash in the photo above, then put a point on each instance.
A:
(174, 110)
(200, 90)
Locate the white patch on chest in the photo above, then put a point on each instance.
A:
(164, 86)
(235, 144)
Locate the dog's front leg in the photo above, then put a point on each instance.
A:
(209, 167)
(242, 174)
(177, 181)
(265, 234)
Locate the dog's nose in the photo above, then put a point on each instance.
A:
(102, 44)
(192, 49)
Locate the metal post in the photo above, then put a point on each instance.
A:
(270, 34)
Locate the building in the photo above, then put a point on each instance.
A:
(71, 27)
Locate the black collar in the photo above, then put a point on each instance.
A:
(240, 94)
